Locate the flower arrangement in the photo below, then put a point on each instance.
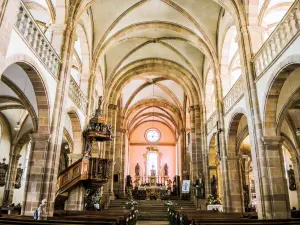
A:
(212, 200)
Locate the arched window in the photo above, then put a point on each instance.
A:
(230, 62)
(210, 100)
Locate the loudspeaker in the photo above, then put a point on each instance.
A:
(116, 177)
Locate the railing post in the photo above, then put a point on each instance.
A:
(36, 39)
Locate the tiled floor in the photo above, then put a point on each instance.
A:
(152, 222)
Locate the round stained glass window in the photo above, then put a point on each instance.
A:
(152, 135)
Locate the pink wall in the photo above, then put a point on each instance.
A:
(138, 145)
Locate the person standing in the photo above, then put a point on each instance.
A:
(42, 210)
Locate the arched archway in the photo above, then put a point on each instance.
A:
(242, 188)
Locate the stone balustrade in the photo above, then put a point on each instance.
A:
(211, 122)
(234, 95)
(282, 36)
(36, 40)
(77, 96)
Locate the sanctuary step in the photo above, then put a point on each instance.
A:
(151, 209)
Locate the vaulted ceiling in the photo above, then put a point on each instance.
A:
(178, 31)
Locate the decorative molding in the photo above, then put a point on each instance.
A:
(34, 37)
(77, 96)
(281, 38)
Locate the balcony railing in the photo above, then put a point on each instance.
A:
(283, 35)
(211, 122)
(36, 40)
(77, 95)
(234, 95)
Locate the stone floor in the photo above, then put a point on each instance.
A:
(152, 222)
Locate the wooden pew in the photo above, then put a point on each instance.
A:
(197, 217)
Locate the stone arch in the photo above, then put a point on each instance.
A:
(69, 139)
(235, 191)
(23, 100)
(275, 84)
(164, 68)
(77, 132)
(40, 90)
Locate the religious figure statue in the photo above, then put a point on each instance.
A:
(153, 171)
(137, 170)
(18, 177)
(166, 169)
(3, 170)
(214, 190)
(292, 180)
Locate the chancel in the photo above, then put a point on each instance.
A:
(127, 111)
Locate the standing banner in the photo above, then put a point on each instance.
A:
(186, 186)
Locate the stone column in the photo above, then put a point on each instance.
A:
(221, 140)
(111, 118)
(118, 153)
(53, 152)
(123, 152)
(183, 151)
(235, 188)
(35, 177)
(254, 126)
(275, 179)
(14, 157)
(296, 167)
(76, 199)
(194, 157)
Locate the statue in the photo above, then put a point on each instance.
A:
(214, 190)
(153, 171)
(166, 169)
(3, 170)
(292, 180)
(137, 170)
(18, 177)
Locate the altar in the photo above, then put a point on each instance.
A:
(153, 191)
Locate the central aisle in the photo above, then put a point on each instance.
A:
(152, 222)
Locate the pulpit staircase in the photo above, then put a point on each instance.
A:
(153, 210)
(90, 172)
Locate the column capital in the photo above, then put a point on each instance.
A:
(113, 106)
(272, 140)
(15, 155)
(123, 131)
(39, 137)
(194, 107)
